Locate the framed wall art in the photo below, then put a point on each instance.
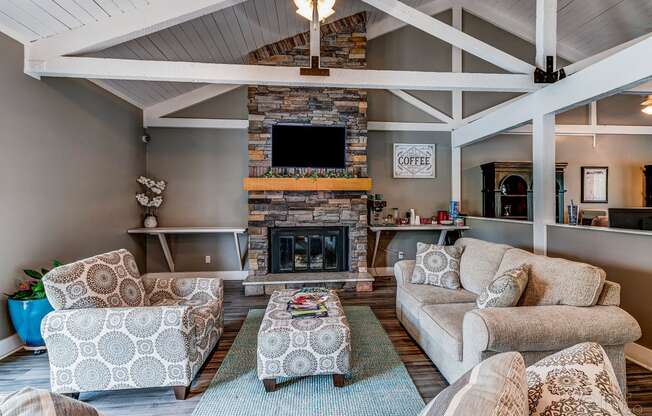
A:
(414, 160)
(595, 184)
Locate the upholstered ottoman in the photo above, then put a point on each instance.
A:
(303, 347)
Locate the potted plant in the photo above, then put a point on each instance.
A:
(27, 307)
(150, 199)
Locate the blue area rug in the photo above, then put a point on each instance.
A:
(379, 384)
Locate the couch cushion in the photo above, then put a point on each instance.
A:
(433, 295)
(496, 386)
(479, 263)
(437, 265)
(556, 281)
(577, 380)
(444, 323)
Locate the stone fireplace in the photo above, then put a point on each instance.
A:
(343, 45)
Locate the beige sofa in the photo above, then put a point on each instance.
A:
(564, 303)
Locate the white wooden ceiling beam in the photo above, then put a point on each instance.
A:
(186, 100)
(449, 34)
(126, 69)
(156, 16)
(546, 32)
(588, 130)
(389, 24)
(615, 73)
(425, 107)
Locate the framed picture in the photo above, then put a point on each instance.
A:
(595, 184)
(414, 160)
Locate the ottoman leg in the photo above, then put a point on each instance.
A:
(338, 380)
(270, 384)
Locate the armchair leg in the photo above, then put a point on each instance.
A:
(181, 392)
(72, 395)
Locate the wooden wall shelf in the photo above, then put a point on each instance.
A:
(307, 184)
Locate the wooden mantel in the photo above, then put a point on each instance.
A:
(307, 184)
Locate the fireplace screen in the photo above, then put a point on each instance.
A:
(309, 249)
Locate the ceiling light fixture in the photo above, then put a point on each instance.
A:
(324, 8)
(647, 105)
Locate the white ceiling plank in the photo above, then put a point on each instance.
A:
(198, 123)
(426, 108)
(615, 73)
(41, 15)
(546, 32)
(20, 15)
(243, 22)
(578, 66)
(188, 99)
(399, 126)
(109, 6)
(451, 35)
(15, 30)
(196, 30)
(254, 22)
(229, 39)
(82, 67)
(75, 10)
(93, 9)
(217, 38)
(124, 27)
(58, 12)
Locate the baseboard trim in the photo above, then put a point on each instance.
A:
(381, 271)
(639, 354)
(10, 345)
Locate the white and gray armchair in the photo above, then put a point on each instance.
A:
(113, 329)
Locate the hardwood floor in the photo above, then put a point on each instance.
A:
(23, 369)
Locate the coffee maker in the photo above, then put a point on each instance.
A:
(375, 209)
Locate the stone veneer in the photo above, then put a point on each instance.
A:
(343, 45)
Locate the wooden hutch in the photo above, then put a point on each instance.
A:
(507, 190)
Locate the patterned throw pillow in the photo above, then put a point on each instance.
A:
(505, 290)
(576, 381)
(496, 386)
(437, 266)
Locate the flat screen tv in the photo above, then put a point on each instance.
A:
(308, 146)
(632, 218)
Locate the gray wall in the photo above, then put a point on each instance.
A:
(514, 233)
(626, 259)
(70, 157)
(426, 196)
(204, 169)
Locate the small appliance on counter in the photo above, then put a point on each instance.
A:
(375, 209)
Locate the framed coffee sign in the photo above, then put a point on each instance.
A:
(414, 160)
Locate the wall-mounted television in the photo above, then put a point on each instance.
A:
(308, 146)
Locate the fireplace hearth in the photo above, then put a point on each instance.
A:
(309, 249)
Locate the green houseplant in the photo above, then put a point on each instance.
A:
(28, 305)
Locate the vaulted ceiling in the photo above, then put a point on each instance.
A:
(585, 27)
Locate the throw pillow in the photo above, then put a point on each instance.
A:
(437, 266)
(578, 380)
(30, 402)
(506, 289)
(496, 386)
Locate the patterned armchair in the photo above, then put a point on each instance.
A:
(113, 329)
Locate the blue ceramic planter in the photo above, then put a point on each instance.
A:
(26, 316)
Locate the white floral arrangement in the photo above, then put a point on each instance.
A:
(151, 198)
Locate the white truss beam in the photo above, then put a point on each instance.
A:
(425, 107)
(618, 72)
(546, 32)
(156, 16)
(389, 24)
(400, 126)
(543, 178)
(588, 130)
(186, 100)
(198, 123)
(102, 68)
(449, 34)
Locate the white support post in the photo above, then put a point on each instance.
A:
(543, 172)
(546, 37)
(315, 31)
(456, 66)
(456, 175)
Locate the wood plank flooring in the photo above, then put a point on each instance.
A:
(23, 369)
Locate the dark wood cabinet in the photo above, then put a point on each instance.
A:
(647, 170)
(507, 190)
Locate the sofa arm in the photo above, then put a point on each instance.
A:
(546, 328)
(185, 286)
(403, 271)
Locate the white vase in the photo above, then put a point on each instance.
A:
(150, 221)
